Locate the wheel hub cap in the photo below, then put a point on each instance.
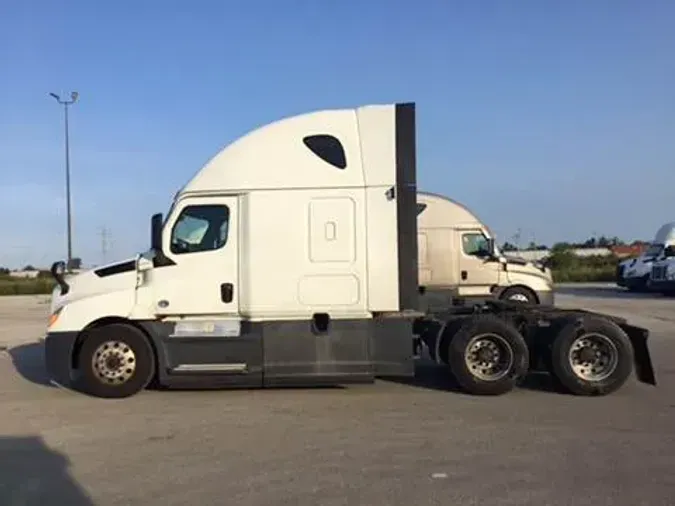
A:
(114, 362)
(489, 357)
(593, 357)
(518, 297)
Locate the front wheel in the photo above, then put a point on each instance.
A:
(487, 355)
(591, 357)
(115, 361)
(519, 294)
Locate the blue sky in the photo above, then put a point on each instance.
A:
(556, 118)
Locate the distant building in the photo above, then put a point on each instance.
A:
(24, 274)
(633, 250)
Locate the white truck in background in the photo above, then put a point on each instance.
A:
(662, 275)
(291, 259)
(458, 258)
(634, 273)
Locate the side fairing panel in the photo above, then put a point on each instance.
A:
(406, 201)
(388, 146)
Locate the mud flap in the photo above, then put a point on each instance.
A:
(644, 369)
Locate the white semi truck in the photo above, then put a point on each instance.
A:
(458, 258)
(662, 275)
(634, 273)
(290, 258)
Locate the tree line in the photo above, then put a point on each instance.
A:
(592, 242)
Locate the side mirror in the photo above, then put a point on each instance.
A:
(669, 252)
(491, 247)
(156, 232)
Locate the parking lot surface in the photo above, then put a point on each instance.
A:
(408, 443)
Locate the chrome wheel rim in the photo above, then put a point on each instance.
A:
(593, 357)
(114, 362)
(519, 297)
(489, 357)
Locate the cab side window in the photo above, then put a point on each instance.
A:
(200, 228)
(474, 244)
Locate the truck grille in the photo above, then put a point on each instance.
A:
(659, 272)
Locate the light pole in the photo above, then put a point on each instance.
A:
(65, 104)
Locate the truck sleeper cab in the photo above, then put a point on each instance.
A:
(454, 259)
(290, 259)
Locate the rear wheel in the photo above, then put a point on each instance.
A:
(487, 355)
(115, 361)
(591, 357)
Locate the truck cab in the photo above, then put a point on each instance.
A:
(288, 259)
(458, 258)
(634, 274)
(662, 272)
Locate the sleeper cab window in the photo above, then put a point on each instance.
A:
(474, 244)
(328, 148)
(200, 228)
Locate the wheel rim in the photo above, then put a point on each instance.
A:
(593, 357)
(489, 357)
(519, 297)
(114, 362)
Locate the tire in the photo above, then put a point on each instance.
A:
(519, 294)
(614, 367)
(479, 331)
(125, 343)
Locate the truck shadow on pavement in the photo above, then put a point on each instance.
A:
(33, 474)
(28, 360)
(432, 376)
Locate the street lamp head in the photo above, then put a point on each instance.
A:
(58, 99)
(74, 96)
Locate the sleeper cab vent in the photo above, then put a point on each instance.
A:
(328, 148)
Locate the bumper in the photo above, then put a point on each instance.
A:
(59, 348)
(665, 286)
(634, 282)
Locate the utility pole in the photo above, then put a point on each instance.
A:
(104, 245)
(66, 104)
(516, 238)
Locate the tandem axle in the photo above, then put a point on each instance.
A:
(490, 347)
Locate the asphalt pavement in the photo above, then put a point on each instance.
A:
(408, 443)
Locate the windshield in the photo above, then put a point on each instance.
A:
(653, 250)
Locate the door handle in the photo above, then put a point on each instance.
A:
(226, 292)
(464, 275)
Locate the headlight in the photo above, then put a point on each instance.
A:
(670, 274)
(54, 317)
